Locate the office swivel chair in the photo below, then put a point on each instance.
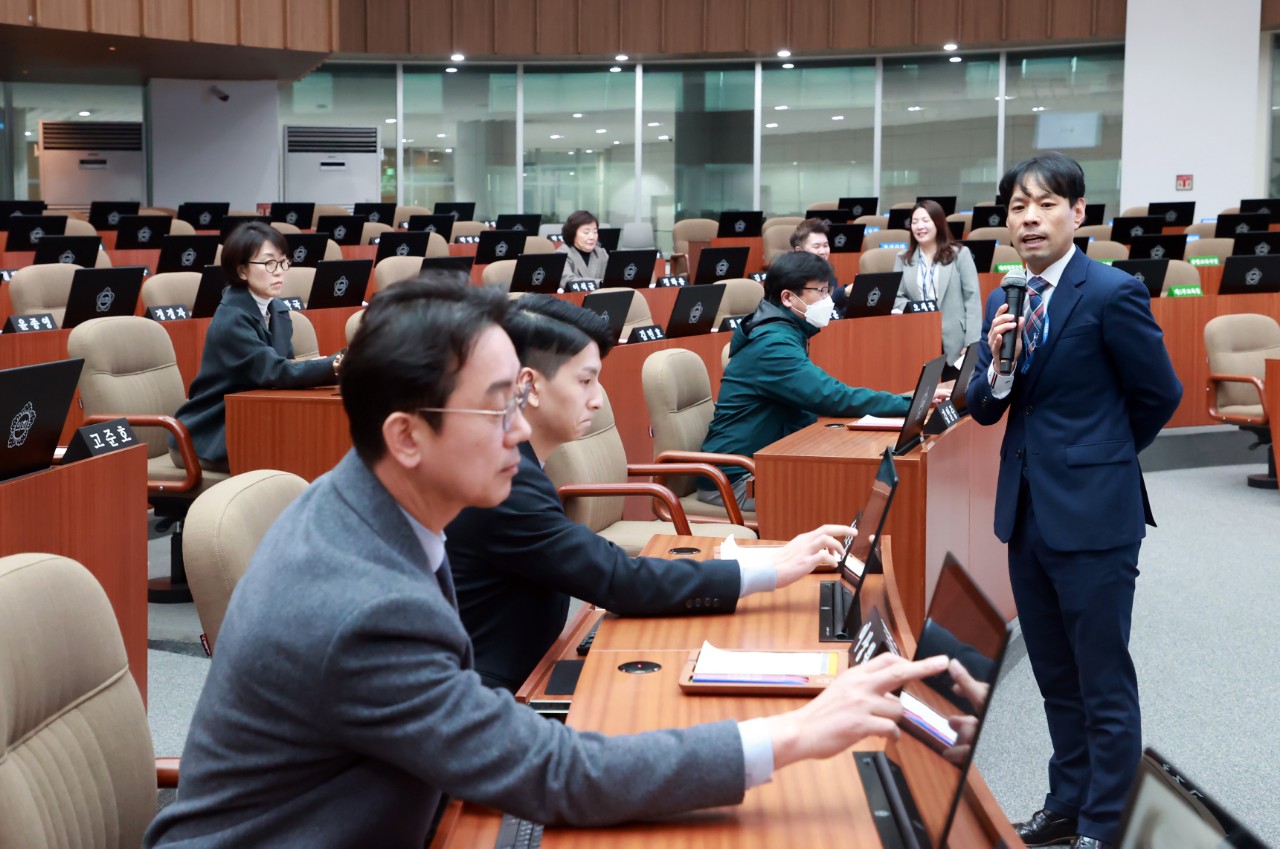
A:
(76, 763)
(636, 236)
(686, 231)
(42, 288)
(1180, 273)
(1106, 249)
(538, 245)
(499, 274)
(777, 241)
(170, 288)
(1238, 347)
(741, 297)
(886, 236)
(877, 260)
(638, 314)
(1212, 246)
(1002, 235)
(353, 324)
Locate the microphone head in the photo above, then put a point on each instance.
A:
(1016, 279)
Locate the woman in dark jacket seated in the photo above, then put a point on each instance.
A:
(587, 260)
(249, 344)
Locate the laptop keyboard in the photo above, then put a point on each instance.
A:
(516, 833)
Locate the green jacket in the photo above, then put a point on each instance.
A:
(771, 388)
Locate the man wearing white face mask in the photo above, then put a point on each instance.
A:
(770, 387)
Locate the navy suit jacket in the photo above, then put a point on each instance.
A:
(516, 565)
(1096, 393)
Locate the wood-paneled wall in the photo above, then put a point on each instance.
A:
(647, 28)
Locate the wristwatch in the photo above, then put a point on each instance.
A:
(337, 361)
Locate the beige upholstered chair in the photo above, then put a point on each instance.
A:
(224, 528)
(305, 344)
(1000, 234)
(677, 392)
(638, 315)
(499, 274)
(1203, 229)
(786, 222)
(130, 371)
(964, 217)
(538, 245)
(42, 288)
(684, 232)
(178, 227)
(1238, 347)
(286, 228)
(1099, 232)
(1220, 248)
(76, 763)
(158, 210)
(297, 283)
(1230, 210)
(880, 237)
(1003, 255)
(596, 465)
(466, 228)
(881, 221)
(741, 297)
(877, 260)
(1180, 273)
(353, 324)
(80, 227)
(436, 245)
(777, 241)
(371, 230)
(328, 209)
(906, 204)
(1104, 249)
(332, 250)
(1135, 211)
(825, 204)
(724, 354)
(637, 235)
(393, 269)
(172, 287)
(404, 213)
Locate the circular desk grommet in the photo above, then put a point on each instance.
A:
(684, 550)
(639, 667)
(833, 424)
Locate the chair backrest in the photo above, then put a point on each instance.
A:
(78, 227)
(392, 269)
(741, 297)
(906, 204)
(597, 457)
(1203, 229)
(466, 228)
(880, 237)
(223, 529)
(1000, 234)
(1003, 255)
(297, 282)
(158, 210)
(877, 260)
(1105, 249)
(404, 213)
(371, 230)
(693, 229)
(1241, 344)
(171, 288)
(1180, 273)
(1135, 211)
(76, 763)
(538, 245)
(637, 235)
(638, 314)
(42, 288)
(178, 227)
(825, 204)
(777, 241)
(1100, 232)
(353, 324)
(546, 231)
(724, 354)
(677, 392)
(286, 228)
(499, 274)
(332, 250)
(881, 221)
(436, 245)
(328, 209)
(129, 367)
(305, 344)
(1210, 247)
(964, 217)
(787, 222)
(1230, 210)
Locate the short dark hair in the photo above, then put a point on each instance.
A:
(547, 331)
(1057, 172)
(807, 228)
(413, 340)
(946, 251)
(243, 243)
(791, 271)
(576, 220)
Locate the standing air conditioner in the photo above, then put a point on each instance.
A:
(84, 161)
(336, 165)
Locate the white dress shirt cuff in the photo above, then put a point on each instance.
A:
(1001, 384)
(757, 751)
(758, 576)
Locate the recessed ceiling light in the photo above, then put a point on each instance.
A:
(577, 114)
(1041, 108)
(1006, 97)
(451, 70)
(664, 138)
(950, 45)
(837, 117)
(27, 133)
(448, 150)
(389, 121)
(781, 108)
(784, 54)
(442, 135)
(621, 57)
(788, 65)
(570, 173)
(457, 57)
(770, 126)
(556, 136)
(601, 130)
(615, 70)
(615, 141)
(571, 153)
(588, 150)
(655, 124)
(955, 59)
(914, 108)
(85, 113)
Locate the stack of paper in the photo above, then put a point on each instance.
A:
(761, 667)
(752, 555)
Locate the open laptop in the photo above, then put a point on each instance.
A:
(453, 264)
(306, 249)
(1179, 213)
(1165, 809)
(343, 229)
(500, 244)
(1261, 243)
(840, 612)
(1249, 275)
(1172, 246)
(830, 216)
(694, 311)
(1094, 213)
(613, 306)
(1149, 272)
(209, 293)
(716, 264)
(377, 213)
(34, 401)
(913, 425)
(339, 283)
(873, 294)
(527, 223)
(402, 243)
(859, 207)
(442, 224)
(741, 224)
(958, 399)
(538, 272)
(141, 232)
(229, 223)
(632, 269)
(899, 219)
(81, 250)
(102, 292)
(1124, 229)
(203, 216)
(186, 253)
(1266, 206)
(106, 214)
(947, 202)
(297, 214)
(10, 208)
(458, 210)
(1231, 225)
(608, 237)
(846, 238)
(983, 251)
(990, 216)
(25, 231)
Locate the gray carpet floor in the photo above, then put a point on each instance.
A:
(1204, 641)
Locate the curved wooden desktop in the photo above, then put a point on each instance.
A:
(814, 803)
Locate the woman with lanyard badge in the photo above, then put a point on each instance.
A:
(934, 268)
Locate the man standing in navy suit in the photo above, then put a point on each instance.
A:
(1091, 386)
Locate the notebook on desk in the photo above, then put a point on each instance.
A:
(873, 294)
(339, 283)
(499, 244)
(1262, 243)
(1230, 225)
(1243, 275)
(343, 229)
(846, 238)
(186, 253)
(106, 214)
(1172, 246)
(11, 208)
(1267, 206)
(694, 311)
(402, 243)
(613, 307)
(525, 223)
(141, 232)
(1124, 229)
(78, 250)
(990, 216)
(34, 401)
(1173, 213)
(538, 273)
(1148, 272)
(716, 264)
(630, 269)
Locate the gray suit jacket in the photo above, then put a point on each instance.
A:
(575, 269)
(341, 705)
(959, 299)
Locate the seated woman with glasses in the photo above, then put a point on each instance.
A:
(586, 259)
(249, 344)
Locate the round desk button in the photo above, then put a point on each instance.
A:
(639, 667)
(684, 550)
(833, 424)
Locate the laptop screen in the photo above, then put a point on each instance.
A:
(538, 272)
(458, 210)
(106, 214)
(1148, 272)
(870, 521)
(33, 403)
(845, 238)
(859, 207)
(990, 216)
(10, 208)
(1165, 809)
(141, 232)
(377, 213)
(26, 231)
(297, 214)
(442, 224)
(203, 216)
(740, 224)
(527, 222)
(632, 269)
(913, 427)
(716, 264)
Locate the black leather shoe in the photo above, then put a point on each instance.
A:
(1045, 828)
(1083, 842)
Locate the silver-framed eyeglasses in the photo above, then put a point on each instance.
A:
(273, 265)
(508, 413)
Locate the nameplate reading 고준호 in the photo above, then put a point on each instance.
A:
(93, 440)
(669, 280)
(30, 323)
(169, 313)
(648, 333)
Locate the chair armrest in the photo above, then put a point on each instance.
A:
(739, 460)
(166, 768)
(706, 470)
(1212, 389)
(676, 262)
(653, 490)
(185, 447)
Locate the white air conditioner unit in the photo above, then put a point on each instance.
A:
(336, 165)
(84, 161)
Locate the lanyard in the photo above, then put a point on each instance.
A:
(928, 276)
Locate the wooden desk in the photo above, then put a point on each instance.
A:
(303, 431)
(94, 512)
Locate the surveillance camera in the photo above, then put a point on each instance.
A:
(219, 93)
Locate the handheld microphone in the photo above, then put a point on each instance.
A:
(1015, 289)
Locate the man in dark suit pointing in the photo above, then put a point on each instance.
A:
(1091, 387)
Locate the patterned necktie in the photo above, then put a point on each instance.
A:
(1032, 330)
